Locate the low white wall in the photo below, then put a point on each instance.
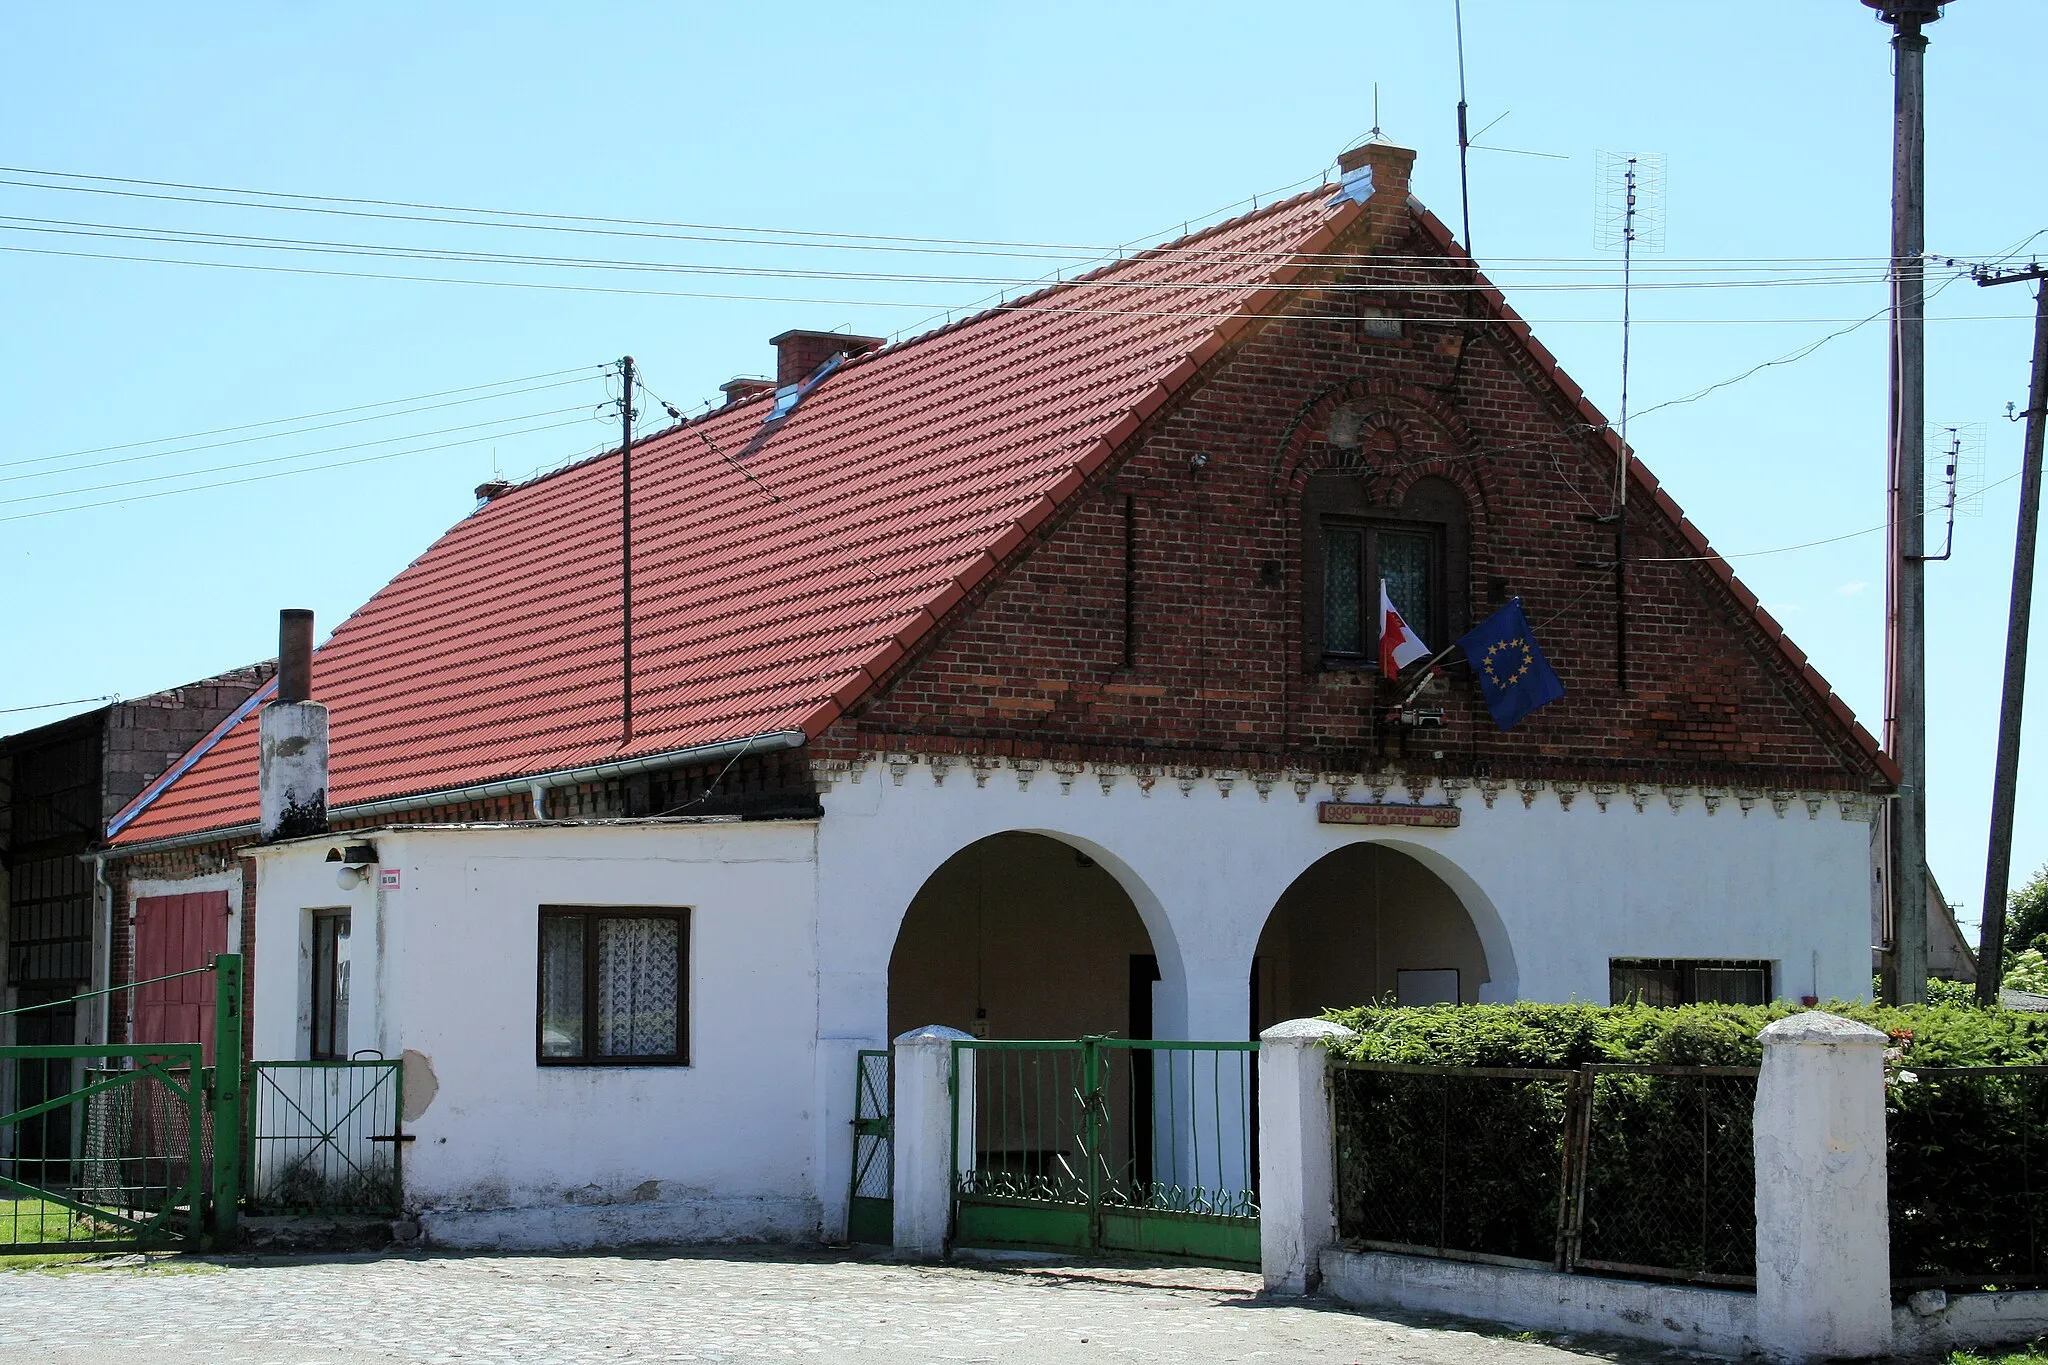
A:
(1716, 1321)
(513, 1154)
(1932, 1323)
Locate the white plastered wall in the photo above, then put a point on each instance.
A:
(510, 1153)
(1555, 886)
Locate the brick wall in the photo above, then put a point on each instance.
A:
(1219, 671)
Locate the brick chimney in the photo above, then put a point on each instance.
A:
(1388, 205)
(291, 755)
(745, 386)
(797, 353)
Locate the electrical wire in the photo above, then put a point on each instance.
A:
(286, 473)
(304, 417)
(275, 459)
(273, 436)
(1803, 545)
(53, 705)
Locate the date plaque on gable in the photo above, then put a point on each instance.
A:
(1368, 813)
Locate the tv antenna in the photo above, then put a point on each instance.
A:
(1630, 215)
(1959, 484)
(1464, 140)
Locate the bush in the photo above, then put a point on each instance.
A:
(1530, 1035)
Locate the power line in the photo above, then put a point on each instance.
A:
(272, 436)
(304, 417)
(53, 705)
(285, 473)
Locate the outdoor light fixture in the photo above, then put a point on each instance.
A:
(357, 862)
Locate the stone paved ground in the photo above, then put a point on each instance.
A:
(713, 1306)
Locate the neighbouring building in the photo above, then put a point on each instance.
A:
(1020, 677)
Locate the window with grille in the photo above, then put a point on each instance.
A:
(330, 986)
(613, 986)
(1687, 981)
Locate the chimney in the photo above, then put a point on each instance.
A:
(745, 386)
(291, 762)
(798, 353)
(1387, 204)
(492, 488)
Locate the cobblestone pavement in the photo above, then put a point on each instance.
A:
(699, 1306)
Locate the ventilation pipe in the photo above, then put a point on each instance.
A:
(292, 750)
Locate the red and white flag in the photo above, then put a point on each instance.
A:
(1399, 644)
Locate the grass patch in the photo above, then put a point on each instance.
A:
(2032, 1354)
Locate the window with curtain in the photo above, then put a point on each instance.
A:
(613, 986)
(1355, 559)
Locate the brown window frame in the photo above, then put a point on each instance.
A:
(591, 915)
(1434, 507)
(324, 922)
(1371, 530)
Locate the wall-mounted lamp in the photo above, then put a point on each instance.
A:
(358, 862)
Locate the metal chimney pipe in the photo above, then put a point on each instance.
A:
(295, 654)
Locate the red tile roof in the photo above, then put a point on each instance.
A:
(763, 603)
(772, 599)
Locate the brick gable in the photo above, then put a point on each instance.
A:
(1206, 502)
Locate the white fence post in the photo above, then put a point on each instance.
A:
(1823, 1239)
(923, 1127)
(1297, 1153)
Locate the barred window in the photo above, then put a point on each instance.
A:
(1687, 981)
(614, 986)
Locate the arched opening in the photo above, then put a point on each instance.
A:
(1020, 935)
(1365, 923)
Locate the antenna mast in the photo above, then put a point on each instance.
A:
(1628, 220)
(1464, 138)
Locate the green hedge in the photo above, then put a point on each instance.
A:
(1689, 1035)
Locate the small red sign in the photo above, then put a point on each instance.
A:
(1366, 813)
(388, 879)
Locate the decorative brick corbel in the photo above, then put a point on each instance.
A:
(1067, 772)
(1530, 788)
(1603, 792)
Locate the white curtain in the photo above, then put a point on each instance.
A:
(637, 986)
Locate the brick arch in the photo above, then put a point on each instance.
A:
(1414, 419)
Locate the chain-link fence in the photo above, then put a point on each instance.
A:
(1968, 1177)
(1635, 1170)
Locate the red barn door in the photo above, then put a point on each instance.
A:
(178, 934)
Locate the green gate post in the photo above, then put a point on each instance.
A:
(227, 1096)
(1093, 1112)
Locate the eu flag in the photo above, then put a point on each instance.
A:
(1513, 674)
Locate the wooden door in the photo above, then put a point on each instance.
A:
(178, 934)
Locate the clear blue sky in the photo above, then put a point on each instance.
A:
(1053, 123)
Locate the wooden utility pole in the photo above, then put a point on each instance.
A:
(626, 555)
(1906, 571)
(2005, 784)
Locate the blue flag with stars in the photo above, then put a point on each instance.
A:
(1513, 674)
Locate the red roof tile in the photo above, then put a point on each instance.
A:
(772, 599)
(761, 603)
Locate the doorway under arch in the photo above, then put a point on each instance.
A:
(1365, 923)
(1020, 935)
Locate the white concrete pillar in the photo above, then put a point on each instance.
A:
(291, 769)
(1297, 1153)
(1823, 1242)
(923, 1126)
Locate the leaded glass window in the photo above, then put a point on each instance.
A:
(1356, 557)
(1405, 563)
(1343, 574)
(613, 985)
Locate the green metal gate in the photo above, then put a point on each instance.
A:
(1107, 1144)
(135, 1147)
(871, 1208)
(325, 1137)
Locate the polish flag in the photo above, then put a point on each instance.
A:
(1399, 645)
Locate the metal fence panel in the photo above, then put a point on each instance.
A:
(103, 1147)
(1968, 1209)
(325, 1137)
(1667, 1186)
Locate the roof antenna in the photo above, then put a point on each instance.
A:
(1464, 140)
(1374, 135)
(1631, 215)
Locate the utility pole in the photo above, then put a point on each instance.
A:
(2005, 784)
(626, 555)
(1906, 573)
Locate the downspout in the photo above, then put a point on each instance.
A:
(540, 801)
(103, 960)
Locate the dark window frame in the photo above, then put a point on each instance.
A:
(1685, 971)
(590, 915)
(331, 927)
(1433, 506)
